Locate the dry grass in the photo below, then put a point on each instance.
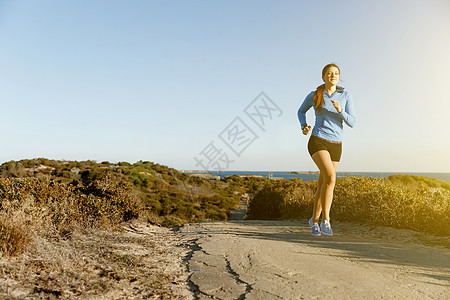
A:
(50, 209)
(15, 234)
(60, 240)
(140, 262)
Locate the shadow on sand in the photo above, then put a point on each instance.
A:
(358, 242)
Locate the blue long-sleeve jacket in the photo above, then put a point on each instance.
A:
(329, 123)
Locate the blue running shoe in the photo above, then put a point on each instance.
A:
(325, 227)
(315, 230)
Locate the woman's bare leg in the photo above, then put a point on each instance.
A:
(327, 169)
(317, 208)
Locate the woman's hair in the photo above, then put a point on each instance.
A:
(318, 94)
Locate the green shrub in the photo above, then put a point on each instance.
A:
(266, 204)
(361, 199)
(378, 201)
(417, 182)
(109, 199)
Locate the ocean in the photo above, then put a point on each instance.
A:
(305, 176)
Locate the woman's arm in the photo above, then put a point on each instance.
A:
(306, 105)
(348, 114)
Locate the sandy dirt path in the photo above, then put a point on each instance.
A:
(281, 260)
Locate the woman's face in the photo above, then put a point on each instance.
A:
(331, 76)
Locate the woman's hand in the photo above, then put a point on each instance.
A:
(337, 105)
(306, 130)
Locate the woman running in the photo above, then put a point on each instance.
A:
(333, 105)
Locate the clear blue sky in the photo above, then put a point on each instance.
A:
(160, 80)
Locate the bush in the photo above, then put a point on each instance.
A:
(107, 198)
(15, 232)
(49, 208)
(361, 199)
(418, 182)
(266, 204)
(378, 201)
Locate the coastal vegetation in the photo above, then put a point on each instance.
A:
(52, 199)
(400, 201)
(417, 182)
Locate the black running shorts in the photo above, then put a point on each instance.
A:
(334, 148)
